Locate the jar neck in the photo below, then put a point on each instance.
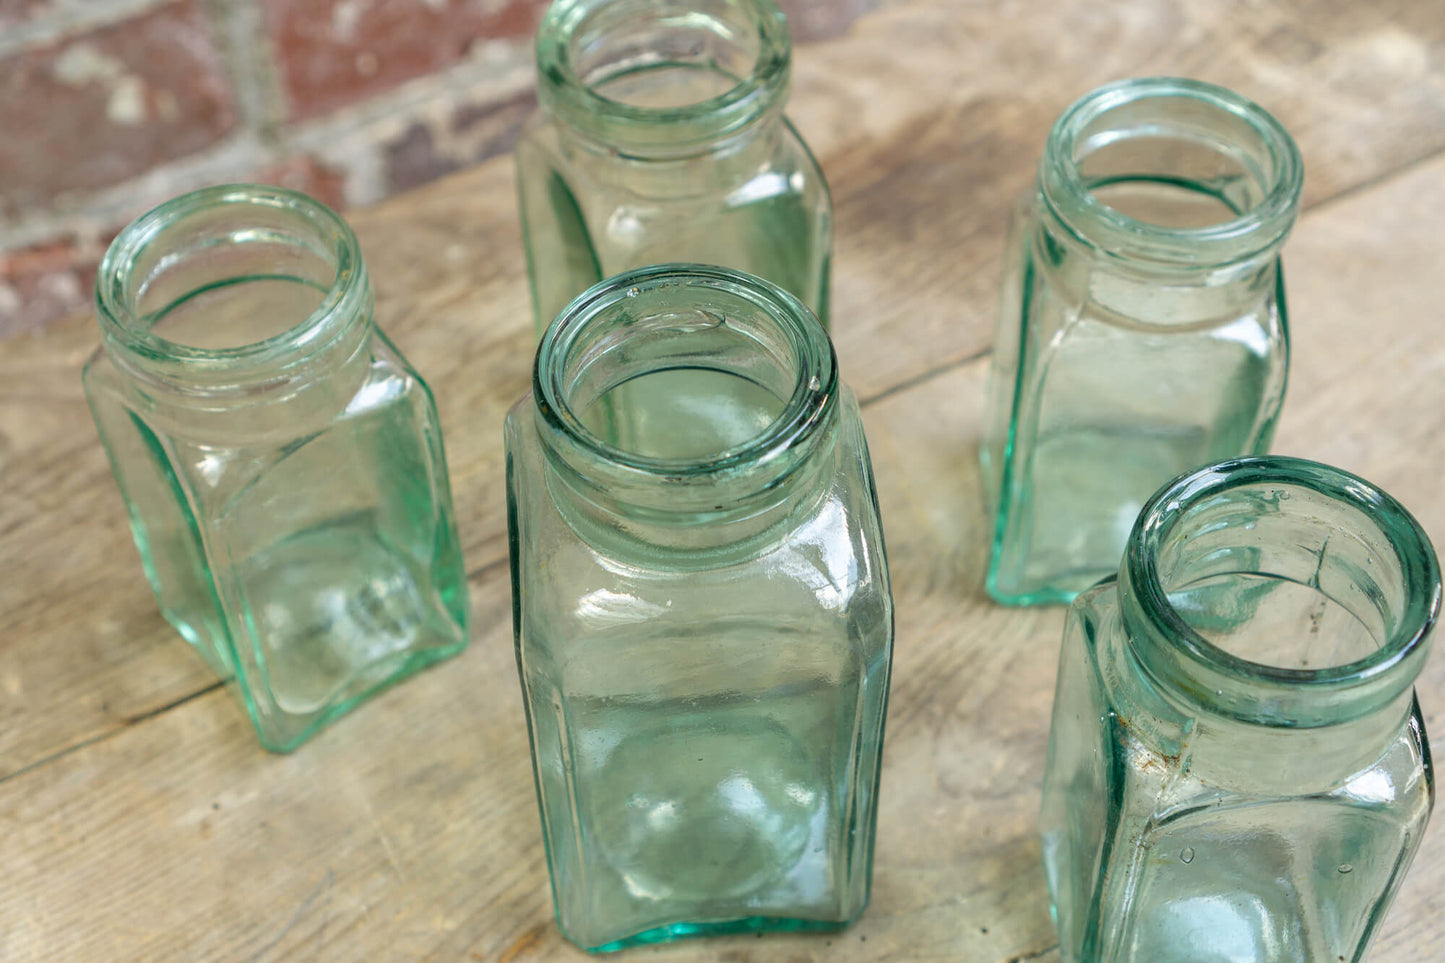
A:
(1280, 593)
(228, 295)
(1172, 181)
(664, 80)
(685, 408)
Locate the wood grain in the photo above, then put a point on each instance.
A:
(140, 821)
(924, 151)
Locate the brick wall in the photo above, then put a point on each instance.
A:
(110, 106)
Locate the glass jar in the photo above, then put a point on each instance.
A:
(280, 461)
(1142, 329)
(703, 618)
(1238, 768)
(661, 137)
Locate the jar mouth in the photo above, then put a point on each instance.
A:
(690, 319)
(1252, 526)
(586, 48)
(203, 243)
(1230, 171)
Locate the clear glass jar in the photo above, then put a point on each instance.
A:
(281, 463)
(1238, 769)
(703, 618)
(1142, 329)
(660, 138)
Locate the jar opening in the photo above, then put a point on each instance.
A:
(683, 371)
(657, 75)
(1283, 589)
(1172, 170)
(230, 274)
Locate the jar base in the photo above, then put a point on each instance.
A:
(751, 924)
(287, 742)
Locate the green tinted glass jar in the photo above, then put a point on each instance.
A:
(661, 137)
(1238, 768)
(281, 463)
(1142, 331)
(703, 617)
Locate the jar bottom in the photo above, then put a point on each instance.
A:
(714, 810)
(338, 615)
(1274, 621)
(666, 85)
(683, 413)
(338, 611)
(710, 814)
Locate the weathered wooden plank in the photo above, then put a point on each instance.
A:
(929, 116)
(409, 831)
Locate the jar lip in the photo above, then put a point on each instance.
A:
(1098, 224)
(1420, 572)
(811, 403)
(630, 127)
(121, 323)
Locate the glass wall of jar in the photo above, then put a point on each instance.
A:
(1238, 768)
(1142, 330)
(280, 461)
(660, 137)
(703, 617)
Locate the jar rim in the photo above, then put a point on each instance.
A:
(812, 401)
(635, 128)
(1094, 222)
(121, 323)
(1346, 689)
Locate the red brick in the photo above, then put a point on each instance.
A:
(473, 133)
(308, 175)
(102, 107)
(49, 281)
(14, 11)
(336, 52)
(46, 282)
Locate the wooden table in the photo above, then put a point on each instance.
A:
(139, 820)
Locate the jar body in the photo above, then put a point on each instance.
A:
(599, 198)
(1175, 828)
(706, 718)
(1152, 859)
(1113, 371)
(301, 539)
